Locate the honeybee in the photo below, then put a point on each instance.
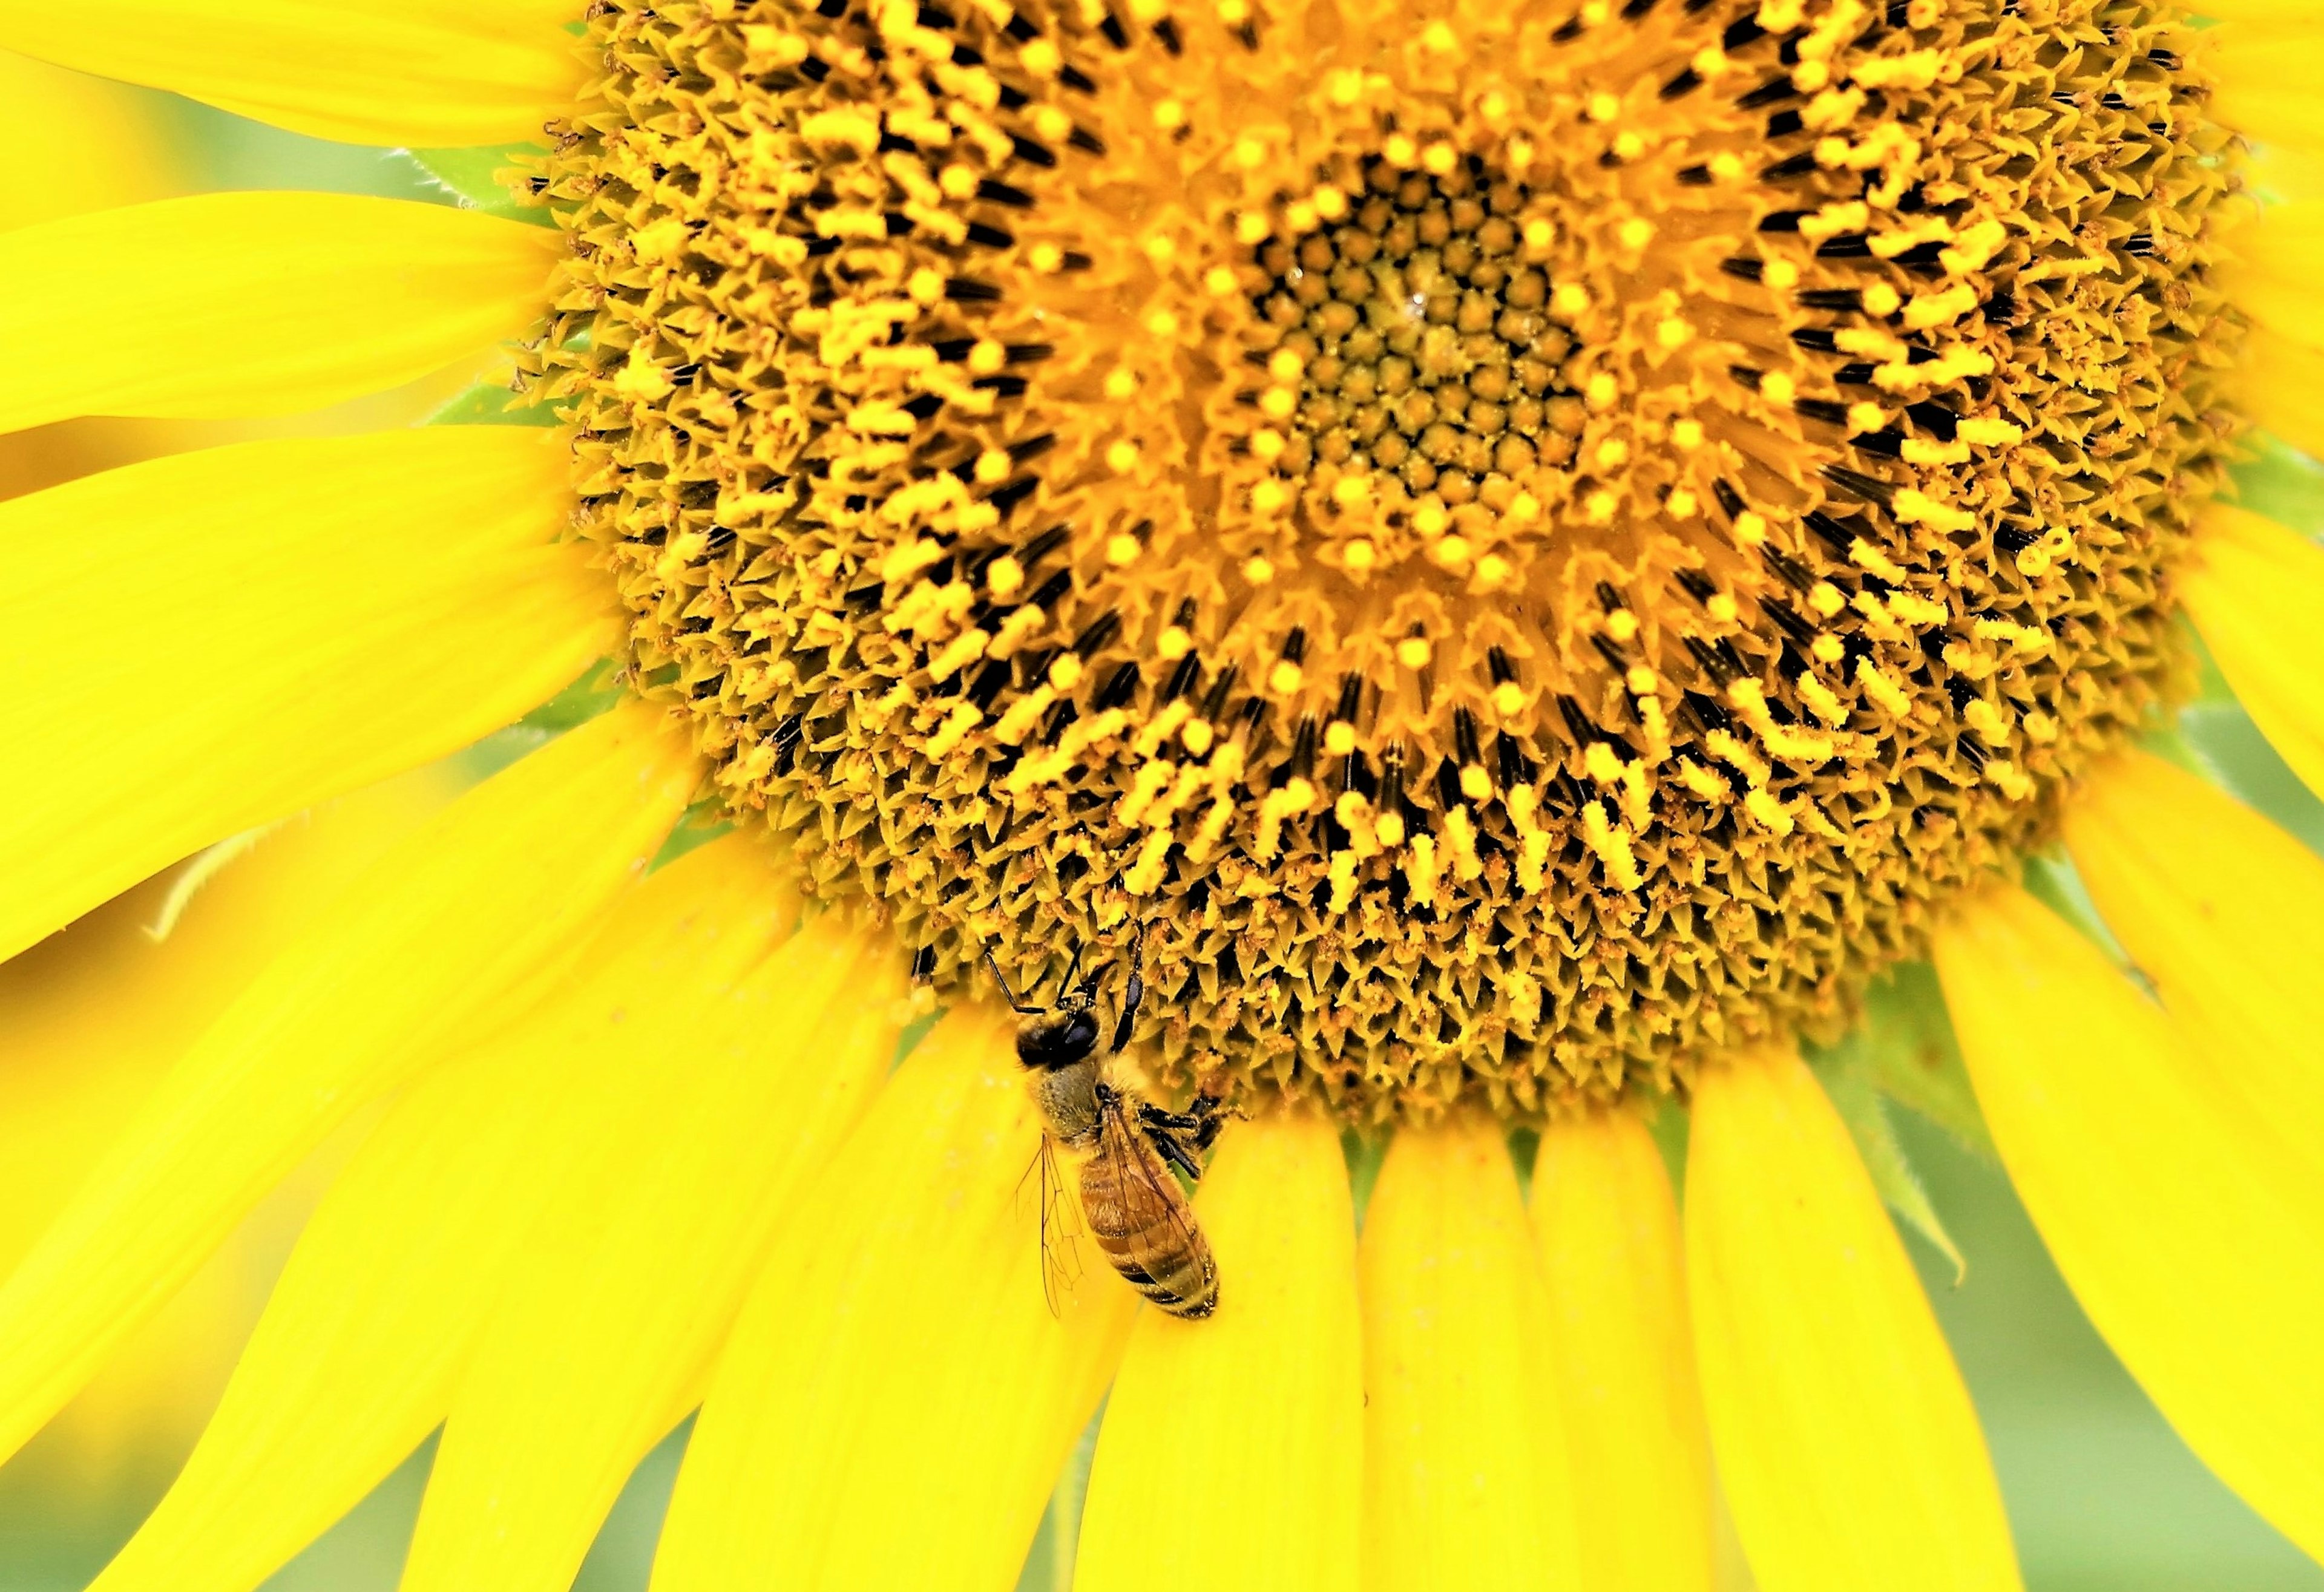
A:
(1119, 1148)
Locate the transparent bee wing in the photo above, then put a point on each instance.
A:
(1061, 1227)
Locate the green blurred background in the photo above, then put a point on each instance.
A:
(2103, 1496)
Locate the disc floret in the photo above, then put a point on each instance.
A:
(1524, 544)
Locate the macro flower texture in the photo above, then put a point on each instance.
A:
(1513, 564)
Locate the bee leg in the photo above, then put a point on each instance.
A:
(1182, 1137)
(1155, 1119)
(1132, 996)
(1172, 1148)
(1209, 1116)
(1199, 1122)
(1005, 993)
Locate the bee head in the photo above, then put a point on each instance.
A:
(1057, 1039)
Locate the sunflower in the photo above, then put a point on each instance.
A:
(1520, 563)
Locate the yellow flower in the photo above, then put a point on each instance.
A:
(1517, 558)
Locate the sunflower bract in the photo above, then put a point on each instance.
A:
(1516, 545)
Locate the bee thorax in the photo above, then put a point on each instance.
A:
(1067, 1100)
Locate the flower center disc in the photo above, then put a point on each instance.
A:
(1416, 341)
(1515, 547)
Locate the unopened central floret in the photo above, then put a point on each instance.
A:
(1416, 340)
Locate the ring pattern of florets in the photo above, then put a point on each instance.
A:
(1520, 543)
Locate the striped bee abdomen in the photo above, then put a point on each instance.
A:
(1142, 1221)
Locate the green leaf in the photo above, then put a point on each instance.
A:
(2230, 751)
(472, 177)
(2214, 737)
(2052, 879)
(1673, 1126)
(493, 403)
(598, 688)
(708, 820)
(1902, 1050)
(2286, 485)
(1857, 1098)
(907, 1039)
(1364, 1154)
(1904, 1046)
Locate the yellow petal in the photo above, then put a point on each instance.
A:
(505, 16)
(2224, 915)
(472, 911)
(2266, 73)
(1846, 1442)
(199, 645)
(368, 1329)
(365, 72)
(233, 304)
(2283, 387)
(2258, 10)
(1624, 1355)
(2254, 589)
(2272, 268)
(627, 1289)
(76, 144)
(2189, 1238)
(1465, 1472)
(1231, 1457)
(896, 1398)
(90, 1020)
(353, 1363)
